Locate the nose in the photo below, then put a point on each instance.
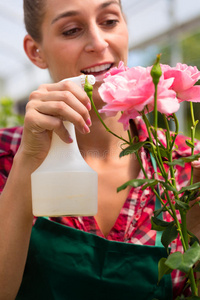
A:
(96, 39)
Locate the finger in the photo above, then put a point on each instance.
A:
(62, 98)
(70, 86)
(196, 164)
(61, 111)
(64, 112)
(39, 123)
(196, 170)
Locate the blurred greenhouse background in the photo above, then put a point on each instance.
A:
(170, 27)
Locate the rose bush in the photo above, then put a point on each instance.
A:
(132, 90)
(135, 92)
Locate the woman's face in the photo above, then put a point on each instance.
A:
(83, 36)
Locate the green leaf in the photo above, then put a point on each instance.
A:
(191, 187)
(163, 152)
(158, 224)
(174, 260)
(193, 238)
(133, 148)
(190, 195)
(136, 183)
(184, 262)
(193, 253)
(169, 234)
(168, 187)
(191, 158)
(193, 195)
(160, 210)
(180, 204)
(179, 162)
(189, 143)
(163, 269)
(151, 184)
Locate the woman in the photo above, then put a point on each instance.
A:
(70, 38)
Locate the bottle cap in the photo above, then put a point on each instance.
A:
(91, 79)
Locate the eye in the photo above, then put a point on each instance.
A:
(71, 32)
(110, 23)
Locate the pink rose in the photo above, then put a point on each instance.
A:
(184, 79)
(131, 90)
(114, 71)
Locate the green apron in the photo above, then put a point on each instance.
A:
(66, 263)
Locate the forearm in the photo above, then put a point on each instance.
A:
(15, 228)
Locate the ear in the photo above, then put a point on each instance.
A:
(33, 52)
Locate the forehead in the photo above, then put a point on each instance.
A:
(56, 6)
(60, 9)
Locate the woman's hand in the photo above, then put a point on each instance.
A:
(48, 107)
(196, 170)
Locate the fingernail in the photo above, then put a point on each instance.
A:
(69, 140)
(86, 129)
(88, 122)
(88, 106)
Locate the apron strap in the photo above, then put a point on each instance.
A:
(157, 205)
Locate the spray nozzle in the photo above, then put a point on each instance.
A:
(80, 80)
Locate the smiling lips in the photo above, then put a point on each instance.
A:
(97, 70)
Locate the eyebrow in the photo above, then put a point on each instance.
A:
(72, 13)
(106, 4)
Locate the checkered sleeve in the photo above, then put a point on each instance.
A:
(10, 139)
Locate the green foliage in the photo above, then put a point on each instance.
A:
(171, 199)
(169, 234)
(190, 49)
(134, 148)
(8, 118)
(163, 269)
(184, 261)
(136, 183)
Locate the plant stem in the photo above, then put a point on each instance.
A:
(167, 134)
(183, 215)
(176, 221)
(193, 128)
(129, 135)
(107, 129)
(176, 131)
(186, 243)
(182, 231)
(156, 113)
(193, 283)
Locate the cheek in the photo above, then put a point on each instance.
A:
(62, 62)
(125, 37)
(122, 41)
(122, 48)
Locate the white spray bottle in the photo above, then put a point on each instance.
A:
(64, 184)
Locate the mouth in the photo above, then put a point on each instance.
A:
(97, 70)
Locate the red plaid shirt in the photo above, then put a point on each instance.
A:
(133, 224)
